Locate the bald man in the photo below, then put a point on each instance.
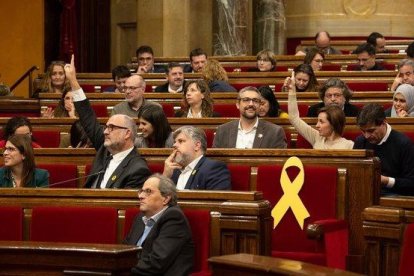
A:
(323, 42)
(117, 163)
(134, 89)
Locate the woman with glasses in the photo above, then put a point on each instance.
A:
(266, 61)
(329, 127)
(305, 79)
(17, 125)
(154, 129)
(19, 165)
(196, 102)
(314, 57)
(54, 80)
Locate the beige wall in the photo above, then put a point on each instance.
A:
(350, 17)
(22, 42)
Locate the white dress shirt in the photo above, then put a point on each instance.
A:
(245, 139)
(186, 173)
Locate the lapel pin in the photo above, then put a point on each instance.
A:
(113, 178)
(260, 135)
(194, 172)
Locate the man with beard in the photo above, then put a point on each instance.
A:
(117, 163)
(334, 92)
(249, 132)
(175, 79)
(189, 168)
(134, 98)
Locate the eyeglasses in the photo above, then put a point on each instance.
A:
(111, 127)
(248, 100)
(147, 191)
(126, 88)
(10, 149)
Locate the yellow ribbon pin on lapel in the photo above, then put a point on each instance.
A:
(290, 197)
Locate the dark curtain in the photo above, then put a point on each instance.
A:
(68, 30)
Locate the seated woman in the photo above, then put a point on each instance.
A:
(266, 61)
(329, 128)
(17, 125)
(19, 166)
(155, 131)
(54, 80)
(314, 57)
(269, 107)
(196, 102)
(305, 79)
(403, 102)
(64, 109)
(216, 77)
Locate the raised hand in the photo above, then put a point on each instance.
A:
(170, 164)
(70, 72)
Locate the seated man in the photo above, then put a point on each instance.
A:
(405, 74)
(410, 51)
(198, 59)
(145, 57)
(120, 74)
(334, 92)
(250, 131)
(162, 230)
(323, 43)
(134, 98)
(175, 79)
(117, 163)
(378, 41)
(394, 149)
(189, 168)
(366, 58)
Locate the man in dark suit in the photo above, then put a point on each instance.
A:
(175, 79)
(162, 230)
(145, 57)
(334, 92)
(198, 59)
(117, 163)
(189, 168)
(366, 58)
(249, 131)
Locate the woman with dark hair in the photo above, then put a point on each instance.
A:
(54, 80)
(329, 128)
(216, 77)
(196, 102)
(269, 106)
(305, 79)
(314, 57)
(17, 125)
(64, 109)
(19, 166)
(155, 131)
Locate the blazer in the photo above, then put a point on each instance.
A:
(168, 248)
(164, 87)
(130, 173)
(268, 135)
(221, 86)
(208, 174)
(350, 110)
(40, 178)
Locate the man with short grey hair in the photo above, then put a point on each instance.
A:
(249, 131)
(162, 230)
(405, 73)
(189, 168)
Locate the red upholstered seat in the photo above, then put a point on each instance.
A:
(74, 224)
(156, 167)
(410, 135)
(331, 67)
(239, 86)
(302, 143)
(101, 110)
(406, 259)
(227, 110)
(199, 221)
(59, 173)
(318, 195)
(168, 109)
(47, 138)
(90, 88)
(210, 136)
(303, 108)
(11, 223)
(240, 177)
(367, 86)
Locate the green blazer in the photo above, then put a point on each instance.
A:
(41, 178)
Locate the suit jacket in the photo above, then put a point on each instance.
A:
(349, 110)
(130, 173)
(268, 135)
(208, 174)
(221, 86)
(164, 87)
(168, 248)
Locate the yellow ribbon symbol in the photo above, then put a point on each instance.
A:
(290, 197)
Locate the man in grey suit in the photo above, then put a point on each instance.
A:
(249, 132)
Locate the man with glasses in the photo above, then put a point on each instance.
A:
(334, 92)
(366, 58)
(393, 148)
(405, 74)
(145, 57)
(161, 230)
(249, 131)
(117, 163)
(134, 89)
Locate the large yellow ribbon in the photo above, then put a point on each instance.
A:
(290, 197)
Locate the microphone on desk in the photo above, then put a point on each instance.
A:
(73, 179)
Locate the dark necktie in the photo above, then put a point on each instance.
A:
(101, 175)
